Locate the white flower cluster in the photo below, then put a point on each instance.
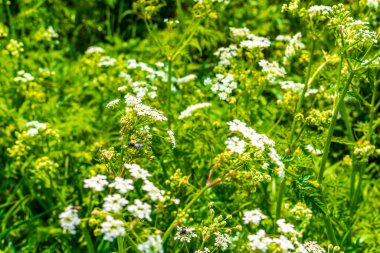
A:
(254, 216)
(112, 228)
(94, 50)
(143, 110)
(122, 185)
(114, 203)
(152, 73)
(185, 234)
(152, 245)
(23, 77)
(106, 61)
(272, 70)
(254, 41)
(222, 241)
(260, 242)
(358, 31)
(113, 103)
(235, 145)
(172, 138)
(225, 54)
(285, 227)
(239, 32)
(35, 127)
(319, 10)
(297, 88)
(223, 86)
(205, 250)
(188, 111)
(137, 172)
(69, 219)
(373, 4)
(96, 183)
(259, 141)
(140, 210)
(283, 37)
(295, 44)
(313, 247)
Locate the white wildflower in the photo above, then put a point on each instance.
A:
(313, 247)
(319, 10)
(113, 103)
(172, 138)
(259, 241)
(186, 79)
(254, 41)
(112, 228)
(153, 192)
(96, 183)
(114, 203)
(69, 219)
(152, 245)
(222, 241)
(373, 4)
(285, 227)
(94, 50)
(284, 243)
(143, 110)
(225, 54)
(223, 86)
(235, 145)
(23, 77)
(239, 32)
(254, 216)
(106, 61)
(184, 234)
(295, 44)
(122, 185)
(136, 171)
(140, 210)
(272, 70)
(188, 111)
(205, 250)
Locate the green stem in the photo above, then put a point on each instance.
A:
(169, 92)
(87, 236)
(332, 126)
(187, 207)
(120, 244)
(279, 200)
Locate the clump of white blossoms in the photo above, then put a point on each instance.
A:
(236, 145)
(260, 141)
(137, 172)
(295, 44)
(297, 88)
(223, 86)
(185, 234)
(272, 70)
(254, 41)
(122, 185)
(222, 241)
(23, 77)
(319, 10)
(254, 216)
(239, 32)
(69, 219)
(188, 111)
(136, 105)
(313, 247)
(153, 192)
(140, 210)
(225, 54)
(35, 127)
(172, 138)
(186, 79)
(285, 227)
(373, 4)
(96, 183)
(106, 61)
(94, 50)
(112, 228)
(153, 244)
(114, 203)
(205, 250)
(113, 103)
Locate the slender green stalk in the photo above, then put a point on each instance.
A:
(298, 108)
(169, 92)
(87, 237)
(187, 207)
(120, 244)
(332, 126)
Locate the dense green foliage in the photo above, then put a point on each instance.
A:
(191, 126)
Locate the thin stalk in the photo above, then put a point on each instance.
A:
(169, 92)
(89, 244)
(120, 244)
(332, 126)
(187, 207)
(298, 108)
